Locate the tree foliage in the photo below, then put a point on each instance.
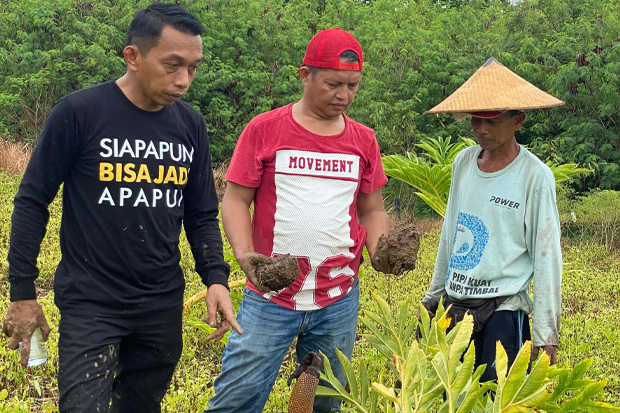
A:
(416, 54)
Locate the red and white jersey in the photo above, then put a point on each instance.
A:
(305, 202)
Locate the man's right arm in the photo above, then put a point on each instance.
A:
(236, 217)
(437, 289)
(237, 223)
(51, 162)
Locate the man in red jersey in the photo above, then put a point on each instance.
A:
(315, 179)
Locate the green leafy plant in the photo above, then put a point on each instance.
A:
(441, 152)
(201, 325)
(584, 389)
(430, 173)
(432, 182)
(206, 328)
(435, 373)
(236, 298)
(563, 172)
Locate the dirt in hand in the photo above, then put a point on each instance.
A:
(400, 249)
(278, 272)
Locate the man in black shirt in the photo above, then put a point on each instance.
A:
(135, 164)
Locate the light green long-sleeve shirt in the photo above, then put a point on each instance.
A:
(502, 229)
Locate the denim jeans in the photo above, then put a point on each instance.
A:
(251, 361)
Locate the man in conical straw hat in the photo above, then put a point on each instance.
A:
(501, 227)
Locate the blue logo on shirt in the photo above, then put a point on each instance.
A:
(471, 239)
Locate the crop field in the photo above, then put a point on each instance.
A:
(590, 301)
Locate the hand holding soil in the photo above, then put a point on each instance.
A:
(397, 252)
(267, 273)
(22, 318)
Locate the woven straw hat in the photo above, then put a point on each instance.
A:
(495, 88)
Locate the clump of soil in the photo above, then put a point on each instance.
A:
(400, 248)
(277, 273)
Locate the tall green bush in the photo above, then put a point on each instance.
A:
(51, 48)
(415, 55)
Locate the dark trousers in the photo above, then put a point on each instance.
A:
(116, 364)
(511, 328)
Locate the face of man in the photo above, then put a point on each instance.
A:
(496, 133)
(165, 73)
(330, 92)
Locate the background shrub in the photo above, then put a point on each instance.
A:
(416, 54)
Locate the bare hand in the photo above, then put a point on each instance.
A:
(219, 303)
(22, 318)
(249, 263)
(550, 350)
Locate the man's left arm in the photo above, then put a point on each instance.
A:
(372, 216)
(370, 210)
(203, 233)
(543, 243)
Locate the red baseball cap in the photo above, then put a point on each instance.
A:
(326, 46)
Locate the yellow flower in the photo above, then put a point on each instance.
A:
(444, 323)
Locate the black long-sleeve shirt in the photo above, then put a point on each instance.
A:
(131, 178)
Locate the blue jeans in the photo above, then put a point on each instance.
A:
(251, 361)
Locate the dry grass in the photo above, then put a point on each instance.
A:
(428, 224)
(13, 157)
(424, 225)
(219, 172)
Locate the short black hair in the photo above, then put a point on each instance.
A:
(514, 113)
(348, 56)
(146, 27)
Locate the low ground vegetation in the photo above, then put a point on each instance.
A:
(433, 372)
(593, 216)
(590, 298)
